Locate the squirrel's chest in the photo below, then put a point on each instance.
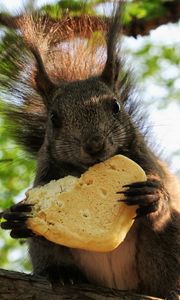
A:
(116, 269)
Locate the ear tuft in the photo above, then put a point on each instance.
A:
(113, 40)
(43, 83)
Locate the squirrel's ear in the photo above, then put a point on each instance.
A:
(111, 72)
(43, 83)
(113, 40)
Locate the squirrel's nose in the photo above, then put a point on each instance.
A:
(94, 145)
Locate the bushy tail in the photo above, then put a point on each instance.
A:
(22, 105)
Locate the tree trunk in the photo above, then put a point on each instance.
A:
(20, 286)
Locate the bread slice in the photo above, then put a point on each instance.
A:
(85, 212)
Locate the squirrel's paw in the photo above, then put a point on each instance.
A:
(173, 295)
(146, 194)
(15, 220)
(64, 275)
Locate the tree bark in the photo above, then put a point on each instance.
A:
(20, 286)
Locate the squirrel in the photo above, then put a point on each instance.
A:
(73, 105)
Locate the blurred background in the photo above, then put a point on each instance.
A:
(152, 53)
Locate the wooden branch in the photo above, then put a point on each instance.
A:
(144, 25)
(134, 28)
(20, 286)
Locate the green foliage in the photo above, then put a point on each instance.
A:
(70, 7)
(144, 9)
(16, 168)
(160, 65)
(16, 176)
(138, 9)
(14, 255)
(16, 172)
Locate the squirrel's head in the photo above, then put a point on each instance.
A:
(86, 123)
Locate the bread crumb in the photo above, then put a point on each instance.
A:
(85, 213)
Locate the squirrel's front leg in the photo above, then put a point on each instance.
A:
(157, 249)
(48, 259)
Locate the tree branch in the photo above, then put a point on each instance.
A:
(20, 286)
(144, 25)
(134, 28)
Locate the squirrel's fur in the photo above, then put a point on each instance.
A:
(62, 85)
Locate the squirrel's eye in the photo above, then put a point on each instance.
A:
(55, 119)
(115, 107)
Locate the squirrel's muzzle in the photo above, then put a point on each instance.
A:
(94, 145)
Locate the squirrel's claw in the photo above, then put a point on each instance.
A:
(21, 207)
(146, 194)
(10, 225)
(15, 220)
(15, 216)
(21, 233)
